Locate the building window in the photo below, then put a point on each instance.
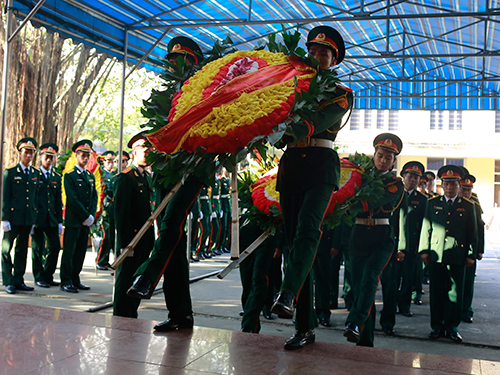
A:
(433, 164)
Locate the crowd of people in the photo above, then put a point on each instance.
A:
(392, 238)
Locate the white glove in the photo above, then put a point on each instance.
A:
(221, 214)
(190, 216)
(213, 216)
(6, 226)
(59, 228)
(89, 221)
(201, 216)
(32, 231)
(131, 254)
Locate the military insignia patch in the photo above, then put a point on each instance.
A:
(392, 188)
(343, 103)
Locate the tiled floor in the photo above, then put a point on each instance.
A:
(42, 340)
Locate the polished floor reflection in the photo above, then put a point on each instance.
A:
(42, 340)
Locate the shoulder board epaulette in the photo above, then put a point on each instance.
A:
(35, 168)
(13, 166)
(127, 170)
(422, 194)
(468, 200)
(71, 171)
(344, 87)
(434, 197)
(57, 174)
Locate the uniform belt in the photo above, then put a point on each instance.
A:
(215, 197)
(224, 196)
(372, 221)
(204, 197)
(312, 142)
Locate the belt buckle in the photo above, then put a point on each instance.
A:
(370, 222)
(303, 142)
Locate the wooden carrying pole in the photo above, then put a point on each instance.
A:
(146, 226)
(235, 214)
(255, 244)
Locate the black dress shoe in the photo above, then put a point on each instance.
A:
(193, 259)
(300, 340)
(268, 315)
(417, 301)
(207, 255)
(351, 332)
(247, 330)
(406, 313)
(141, 288)
(283, 306)
(101, 268)
(42, 284)
(69, 288)
(53, 283)
(11, 289)
(175, 324)
(82, 287)
(325, 322)
(467, 319)
(24, 287)
(388, 331)
(435, 333)
(454, 336)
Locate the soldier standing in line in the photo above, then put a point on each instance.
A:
(417, 203)
(81, 206)
(134, 196)
(431, 184)
(225, 213)
(465, 191)
(19, 210)
(308, 174)
(125, 159)
(215, 218)
(206, 222)
(422, 185)
(448, 243)
(108, 242)
(372, 242)
(49, 219)
(341, 236)
(196, 231)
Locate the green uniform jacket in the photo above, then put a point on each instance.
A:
(449, 235)
(109, 182)
(20, 193)
(130, 187)
(216, 197)
(49, 200)
(379, 209)
(81, 197)
(417, 204)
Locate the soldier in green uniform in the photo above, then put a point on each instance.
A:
(448, 243)
(169, 253)
(372, 242)
(206, 222)
(81, 206)
(417, 204)
(19, 211)
(308, 174)
(125, 159)
(465, 191)
(196, 216)
(108, 241)
(422, 185)
(431, 184)
(215, 218)
(134, 196)
(225, 215)
(341, 237)
(49, 219)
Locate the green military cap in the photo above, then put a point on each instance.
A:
(108, 155)
(329, 37)
(467, 181)
(430, 175)
(49, 148)
(450, 173)
(424, 178)
(138, 137)
(389, 142)
(27, 143)
(83, 145)
(125, 155)
(414, 167)
(184, 46)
